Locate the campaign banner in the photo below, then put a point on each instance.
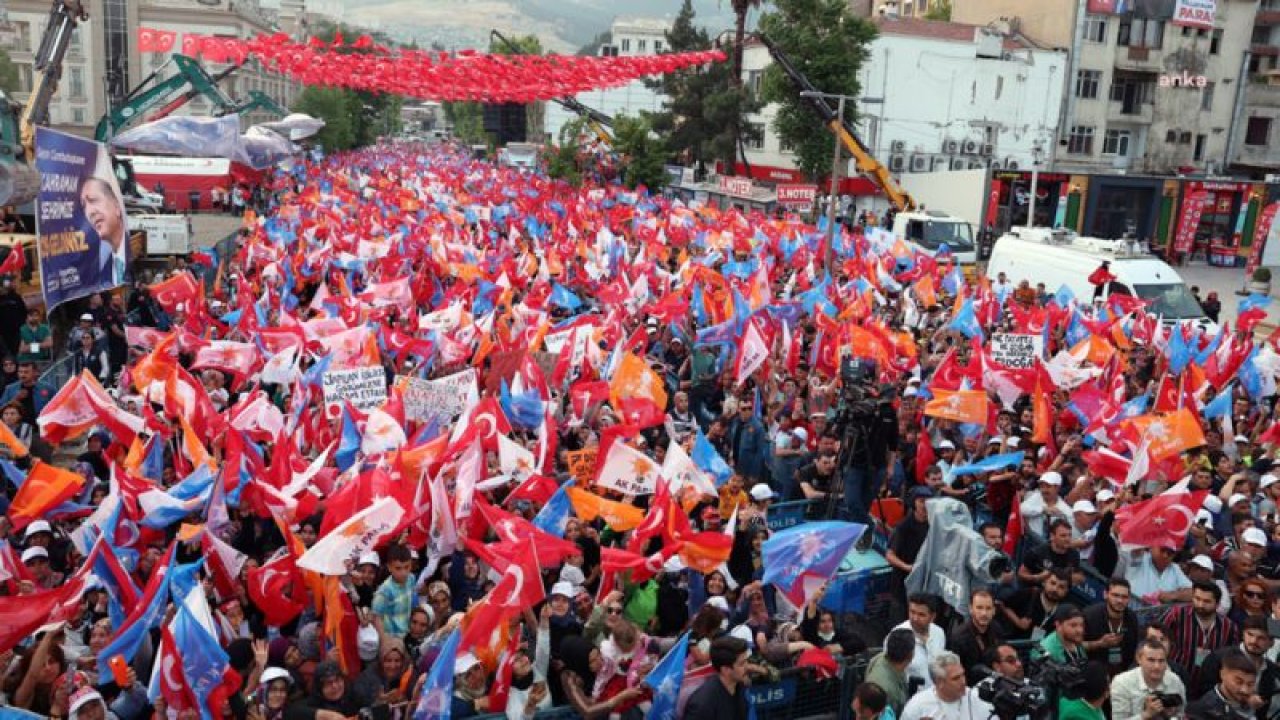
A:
(1016, 350)
(1192, 208)
(445, 398)
(81, 224)
(364, 387)
(1149, 9)
(1195, 13)
(1260, 235)
(793, 195)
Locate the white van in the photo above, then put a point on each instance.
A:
(1060, 257)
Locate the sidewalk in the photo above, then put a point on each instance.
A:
(1226, 282)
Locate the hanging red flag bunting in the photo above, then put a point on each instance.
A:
(462, 76)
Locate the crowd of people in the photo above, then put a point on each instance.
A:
(445, 439)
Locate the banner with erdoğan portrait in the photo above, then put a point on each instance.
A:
(1152, 9)
(81, 225)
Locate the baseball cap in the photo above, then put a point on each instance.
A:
(80, 698)
(761, 492)
(33, 553)
(1084, 506)
(272, 674)
(1241, 439)
(1254, 536)
(1202, 561)
(1015, 441)
(1204, 516)
(994, 441)
(1237, 498)
(562, 588)
(38, 526)
(1106, 496)
(369, 558)
(946, 445)
(743, 633)
(367, 641)
(465, 662)
(1051, 478)
(1267, 481)
(801, 434)
(87, 317)
(718, 602)
(910, 392)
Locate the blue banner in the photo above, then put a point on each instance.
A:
(80, 218)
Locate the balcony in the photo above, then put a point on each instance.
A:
(1267, 18)
(1144, 59)
(1129, 113)
(1264, 94)
(1264, 50)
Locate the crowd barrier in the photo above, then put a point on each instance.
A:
(1094, 588)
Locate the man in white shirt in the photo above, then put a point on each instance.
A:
(1132, 691)
(1084, 528)
(931, 641)
(1039, 505)
(1156, 579)
(949, 698)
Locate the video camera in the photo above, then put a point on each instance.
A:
(1011, 698)
(954, 556)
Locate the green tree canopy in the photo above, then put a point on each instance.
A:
(643, 153)
(8, 74)
(334, 107)
(828, 44)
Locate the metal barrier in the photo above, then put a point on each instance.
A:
(789, 514)
(58, 373)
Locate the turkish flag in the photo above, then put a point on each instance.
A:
(192, 44)
(272, 588)
(1162, 521)
(151, 40)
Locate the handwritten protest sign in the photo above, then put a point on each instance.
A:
(1016, 350)
(445, 398)
(364, 387)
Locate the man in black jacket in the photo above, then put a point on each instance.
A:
(1234, 697)
(1111, 629)
(1255, 644)
(977, 635)
(724, 695)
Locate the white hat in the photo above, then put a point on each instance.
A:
(743, 633)
(272, 674)
(718, 602)
(562, 588)
(994, 441)
(1084, 506)
(1254, 536)
(369, 558)
(367, 643)
(572, 575)
(800, 433)
(1204, 516)
(38, 526)
(1241, 439)
(1015, 441)
(1213, 504)
(32, 553)
(1051, 478)
(1202, 561)
(80, 698)
(464, 663)
(1237, 498)
(87, 316)
(761, 492)
(946, 445)
(1106, 496)
(1267, 481)
(910, 392)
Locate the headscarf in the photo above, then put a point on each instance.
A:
(575, 651)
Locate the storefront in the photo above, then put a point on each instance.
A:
(1217, 234)
(1120, 206)
(1011, 191)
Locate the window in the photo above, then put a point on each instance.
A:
(1132, 92)
(1137, 32)
(1171, 136)
(756, 142)
(1116, 142)
(1184, 138)
(1215, 42)
(24, 77)
(1199, 151)
(77, 116)
(1261, 35)
(74, 47)
(626, 44)
(77, 83)
(754, 78)
(1095, 29)
(642, 45)
(657, 46)
(1257, 131)
(1087, 83)
(1080, 141)
(1206, 97)
(786, 145)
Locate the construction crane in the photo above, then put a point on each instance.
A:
(191, 80)
(599, 122)
(258, 100)
(927, 229)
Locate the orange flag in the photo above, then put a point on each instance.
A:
(1094, 349)
(11, 441)
(589, 506)
(45, 488)
(633, 378)
(1171, 433)
(1042, 416)
(156, 365)
(965, 406)
(194, 448)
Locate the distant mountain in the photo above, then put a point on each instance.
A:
(563, 25)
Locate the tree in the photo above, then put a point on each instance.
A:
(828, 44)
(467, 121)
(563, 159)
(704, 106)
(367, 116)
(941, 10)
(333, 106)
(643, 153)
(8, 74)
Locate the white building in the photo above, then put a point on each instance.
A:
(634, 36)
(938, 96)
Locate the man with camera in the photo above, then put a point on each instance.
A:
(1007, 688)
(1150, 691)
(949, 697)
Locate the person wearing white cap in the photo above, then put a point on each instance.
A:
(1268, 497)
(1084, 527)
(1155, 578)
(1200, 569)
(946, 452)
(38, 533)
(87, 704)
(36, 559)
(275, 683)
(1038, 506)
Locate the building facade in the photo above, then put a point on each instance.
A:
(103, 61)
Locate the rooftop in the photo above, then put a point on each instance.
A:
(942, 30)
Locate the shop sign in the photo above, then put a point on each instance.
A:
(1197, 185)
(1192, 208)
(790, 195)
(1195, 13)
(738, 186)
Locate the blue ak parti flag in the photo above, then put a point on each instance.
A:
(349, 444)
(562, 296)
(1220, 405)
(665, 679)
(990, 464)
(204, 662)
(813, 549)
(966, 321)
(704, 455)
(436, 702)
(554, 516)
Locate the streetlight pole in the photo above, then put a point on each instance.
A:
(1035, 178)
(835, 171)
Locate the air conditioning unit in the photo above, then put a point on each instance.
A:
(939, 163)
(897, 163)
(950, 147)
(988, 149)
(919, 163)
(971, 147)
(1010, 163)
(959, 163)
(897, 146)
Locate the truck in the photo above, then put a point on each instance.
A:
(924, 229)
(167, 235)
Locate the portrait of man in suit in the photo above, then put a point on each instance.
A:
(104, 212)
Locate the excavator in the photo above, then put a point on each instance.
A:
(258, 100)
(189, 82)
(925, 229)
(600, 123)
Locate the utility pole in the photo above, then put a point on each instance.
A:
(835, 171)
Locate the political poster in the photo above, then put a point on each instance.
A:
(81, 225)
(445, 398)
(1015, 350)
(364, 387)
(582, 464)
(1195, 13)
(1150, 9)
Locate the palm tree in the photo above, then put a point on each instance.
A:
(740, 10)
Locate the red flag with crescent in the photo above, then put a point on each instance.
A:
(1162, 521)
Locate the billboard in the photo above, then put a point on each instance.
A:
(1195, 13)
(1153, 9)
(81, 223)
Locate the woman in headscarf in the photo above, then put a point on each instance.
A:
(283, 653)
(331, 697)
(387, 681)
(272, 697)
(580, 662)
